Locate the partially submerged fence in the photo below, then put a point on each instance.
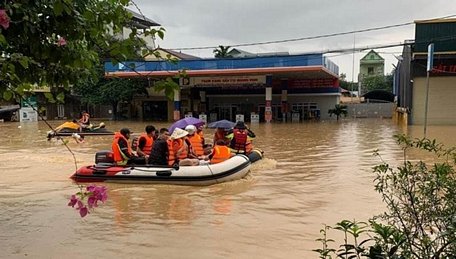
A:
(370, 110)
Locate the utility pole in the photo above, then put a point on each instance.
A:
(430, 61)
(353, 69)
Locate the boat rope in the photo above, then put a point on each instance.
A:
(46, 122)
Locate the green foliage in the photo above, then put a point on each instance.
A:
(59, 43)
(222, 51)
(371, 83)
(420, 220)
(338, 110)
(343, 83)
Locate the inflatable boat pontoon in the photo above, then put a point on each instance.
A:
(232, 169)
(105, 171)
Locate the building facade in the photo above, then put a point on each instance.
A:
(372, 64)
(268, 87)
(411, 74)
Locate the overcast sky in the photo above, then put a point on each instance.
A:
(200, 23)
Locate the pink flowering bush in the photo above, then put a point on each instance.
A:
(61, 41)
(93, 193)
(4, 19)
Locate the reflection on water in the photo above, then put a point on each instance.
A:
(314, 173)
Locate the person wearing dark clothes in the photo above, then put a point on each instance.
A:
(159, 153)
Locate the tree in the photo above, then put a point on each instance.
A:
(57, 43)
(349, 86)
(110, 91)
(377, 83)
(338, 110)
(222, 51)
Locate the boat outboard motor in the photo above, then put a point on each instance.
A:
(104, 157)
(255, 155)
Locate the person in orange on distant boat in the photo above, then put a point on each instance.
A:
(241, 138)
(84, 121)
(220, 152)
(196, 140)
(122, 151)
(145, 142)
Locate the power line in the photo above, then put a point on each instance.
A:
(299, 39)
(314, 37)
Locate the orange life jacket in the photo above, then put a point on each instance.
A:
(171, 154)
(218, 135)
(239, 143)
(181, 147)
(119, 157)
(197, 144)
(221, 153)
(149, 142)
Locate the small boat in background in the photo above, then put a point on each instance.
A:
(70, 127)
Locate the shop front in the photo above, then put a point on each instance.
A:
(268, 88)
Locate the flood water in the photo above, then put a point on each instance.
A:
(314, 173)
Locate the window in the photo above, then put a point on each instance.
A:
(370, 70)
(60, 110)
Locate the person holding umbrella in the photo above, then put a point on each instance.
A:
(196, 140)
(221, 127)
(220, 135)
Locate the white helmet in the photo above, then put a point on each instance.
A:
(190, 129)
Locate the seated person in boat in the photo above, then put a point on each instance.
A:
(197, 142)
(84, 121)
(145, 142)
(122, 151)
(181, 149)
(199, 131)
(159, 155)
(220, 134)
(240, 139)
(220, 153)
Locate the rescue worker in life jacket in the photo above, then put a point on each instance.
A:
(220, 152)
(196, 140)
(220, 133)
(182, 149)
(145, 142)
(240, 137)
(121, 149)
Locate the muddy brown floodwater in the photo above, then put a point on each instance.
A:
(314, 173)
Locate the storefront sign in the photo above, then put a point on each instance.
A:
(312, 83)
(440, 67)
(223, 81)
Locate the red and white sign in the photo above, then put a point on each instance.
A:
(224, 80)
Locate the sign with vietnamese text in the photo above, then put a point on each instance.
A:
(312, 83)
(223, 81)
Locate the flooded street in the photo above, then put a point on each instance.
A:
(314, 173)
